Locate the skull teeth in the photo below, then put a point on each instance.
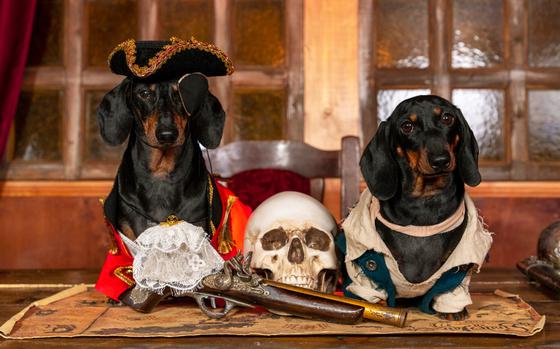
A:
(300, 281)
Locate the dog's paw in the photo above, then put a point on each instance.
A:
(459, 316)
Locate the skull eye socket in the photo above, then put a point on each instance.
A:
(317, 239)
(274, 239)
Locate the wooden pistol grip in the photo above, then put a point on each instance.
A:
(142, 300)
(298, 304)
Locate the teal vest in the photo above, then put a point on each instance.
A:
(373, 266)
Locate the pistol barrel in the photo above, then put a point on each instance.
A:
(375, 312)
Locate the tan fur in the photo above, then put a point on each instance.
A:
(413, 117)
(150, 125)
(423, 185)
(162, 161)
(412, 157)
(181, 123)
(437, 111)
(127, 230)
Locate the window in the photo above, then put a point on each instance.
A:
(499, 61)
(55, 133)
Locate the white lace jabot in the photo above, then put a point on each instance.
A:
(176, 256)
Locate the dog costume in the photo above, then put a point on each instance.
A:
(372, 273)
(152, 61)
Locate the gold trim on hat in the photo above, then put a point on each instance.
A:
(177, 45)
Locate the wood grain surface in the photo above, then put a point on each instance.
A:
(13, 299)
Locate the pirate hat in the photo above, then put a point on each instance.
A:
(165, 60)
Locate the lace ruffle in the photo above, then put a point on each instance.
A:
(176, 256)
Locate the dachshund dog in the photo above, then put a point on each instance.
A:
(416, 166)
(162, 170)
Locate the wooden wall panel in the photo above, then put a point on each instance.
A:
(516, 224)
(51, 233)
(69, 232)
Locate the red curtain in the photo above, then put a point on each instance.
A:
(16, 23)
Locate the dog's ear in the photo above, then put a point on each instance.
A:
(378, 165)
(467, 154)
(114, 118)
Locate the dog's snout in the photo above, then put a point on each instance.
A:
(167, 135)
(440, 162)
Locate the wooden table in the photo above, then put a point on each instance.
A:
(34, 285)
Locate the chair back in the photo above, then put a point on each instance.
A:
(300, 158)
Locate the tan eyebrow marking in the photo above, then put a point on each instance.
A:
(437, 111)
(413, 117)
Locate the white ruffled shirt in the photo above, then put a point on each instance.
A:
(361, 236)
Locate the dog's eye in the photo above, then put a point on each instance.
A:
(145, 94)
(447, 119)
(407, 127)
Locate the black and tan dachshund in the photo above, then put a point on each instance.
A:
(162, 171)
(417, 165)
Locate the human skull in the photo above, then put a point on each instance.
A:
(291, 236)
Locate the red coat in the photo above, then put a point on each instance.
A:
(116, 275)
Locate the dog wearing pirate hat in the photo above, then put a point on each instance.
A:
(165, 110)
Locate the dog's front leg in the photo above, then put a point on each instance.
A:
(452, 305)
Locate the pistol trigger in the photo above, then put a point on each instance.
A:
(211, 314)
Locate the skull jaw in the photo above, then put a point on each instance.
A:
(325, 282)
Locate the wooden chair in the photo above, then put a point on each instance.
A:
(300, 158)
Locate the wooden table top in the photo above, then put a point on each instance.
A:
(30, 285)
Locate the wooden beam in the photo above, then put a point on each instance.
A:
(366, 75)
(53, 77)
(440, 53)
(517, 93)
(331, 70)
(102, 188)
(148, 28)
(73, 96)
(511, 189)
(221, 86)
(55, 188)
(294, 44)
(516, 189)
(259, 78)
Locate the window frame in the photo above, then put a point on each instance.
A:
(75, 79)
(514, 76)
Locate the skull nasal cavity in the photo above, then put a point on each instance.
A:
(295, 253)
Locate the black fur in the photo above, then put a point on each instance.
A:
(153, 118)
(389, 173)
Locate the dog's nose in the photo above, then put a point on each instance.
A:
(167, 136)
(440, 162)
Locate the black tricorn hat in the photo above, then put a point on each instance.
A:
(166, 60)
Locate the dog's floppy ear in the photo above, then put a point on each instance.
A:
(114, 118)
(467, 154)
(207, 115)
(378, 165)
